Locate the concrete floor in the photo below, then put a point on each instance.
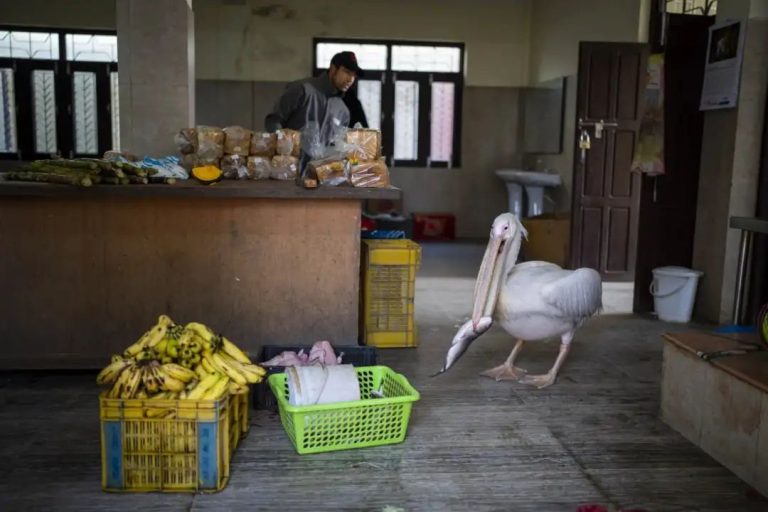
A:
(473, 443)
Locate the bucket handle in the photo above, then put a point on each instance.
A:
(656, 293)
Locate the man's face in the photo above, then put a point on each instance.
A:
(341, 77)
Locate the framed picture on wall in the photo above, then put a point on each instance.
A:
(722, 71)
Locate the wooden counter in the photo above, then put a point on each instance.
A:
(84, 271)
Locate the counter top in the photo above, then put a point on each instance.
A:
(267, 189)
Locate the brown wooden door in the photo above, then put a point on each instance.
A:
(668, 202)
(606, 195)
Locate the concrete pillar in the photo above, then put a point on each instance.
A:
(155, 41)
(730, 162)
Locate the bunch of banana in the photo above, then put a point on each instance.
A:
(172, 361)
(150, 338)
(210, 388)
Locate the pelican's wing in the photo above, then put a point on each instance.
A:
(578, 294)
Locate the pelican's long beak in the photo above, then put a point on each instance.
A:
(485, 291)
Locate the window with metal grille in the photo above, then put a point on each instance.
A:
(412, 92)
(58, 93)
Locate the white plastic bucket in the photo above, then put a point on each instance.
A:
(674, 292)
(319, 384)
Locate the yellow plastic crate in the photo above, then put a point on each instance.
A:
(388, 285)
(170, 445)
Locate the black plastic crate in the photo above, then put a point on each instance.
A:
(350, 354)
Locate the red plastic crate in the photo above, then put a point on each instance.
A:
(434, 226)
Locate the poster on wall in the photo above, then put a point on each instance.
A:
(649, 150)
(722, 69)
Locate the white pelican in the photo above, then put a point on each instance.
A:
(532, 301)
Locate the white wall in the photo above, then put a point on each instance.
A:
(557, 27)
(264, 40)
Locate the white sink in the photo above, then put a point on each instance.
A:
(534, 183)
(540, 179)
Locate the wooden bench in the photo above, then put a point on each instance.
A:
(721, 405)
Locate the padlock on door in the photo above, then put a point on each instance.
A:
(585, 143)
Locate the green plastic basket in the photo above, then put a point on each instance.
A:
(345, 425)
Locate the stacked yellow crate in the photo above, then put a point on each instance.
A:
(388, 285)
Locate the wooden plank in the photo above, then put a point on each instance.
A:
(87, 277)
(751, 368)
(191, 188)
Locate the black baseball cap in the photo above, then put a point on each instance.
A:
(348, 60)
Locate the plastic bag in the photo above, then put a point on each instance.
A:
(167, 167)
(284, 167)
(234, 167)
(288, 142)
(363, 144)
(284, 144)
(263, 144)
(310, 140)
(328, 171)
(259, 167)
(186, 141)
(237, 140)
(210, 143)
(369, 174)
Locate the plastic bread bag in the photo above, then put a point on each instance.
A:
(328, 171)
(234, 167)
(283, 144)
(237, 140)
(284, 167)
(295, 137)
(369, 174)
(259, 167)
(186, 141)
(363, 144)
(263, 144)
(210, 143)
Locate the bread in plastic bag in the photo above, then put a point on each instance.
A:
(234, 167)
(363, 144)
(237, 140)
(186, 141)
(289, 142)
(369, 174)
(263, 144)
(210, 143)
(189, 161)
(328, 171)
(259, 167)
(284, 167)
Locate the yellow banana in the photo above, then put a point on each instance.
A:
(142, 394)
(233, 351)
(236, 389)
(163, 395)
(165, 320)
(162, 346)
(179, 372)
(110, 372)
(228, 369)
(207, 366)
(157, 333)
(203, 386)
(117, 387)
(252, 373)
(157, 412)
(150, 380)
(201, 330)
(138, 346)
(168, 383)
(200, 371)
(217, 389)
(132, 386)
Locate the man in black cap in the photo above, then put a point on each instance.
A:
(317, 99)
